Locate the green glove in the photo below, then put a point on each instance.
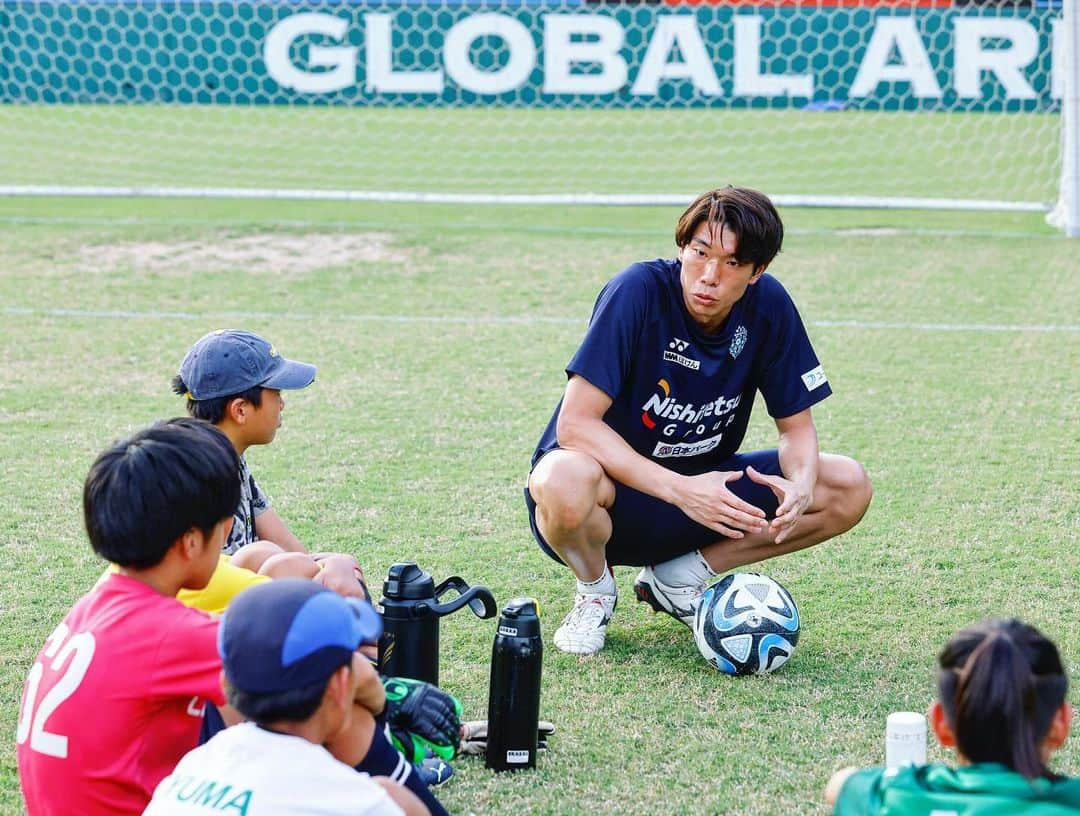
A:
(421, 718)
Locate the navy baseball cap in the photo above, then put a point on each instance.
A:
(229, 361)
(291, 633)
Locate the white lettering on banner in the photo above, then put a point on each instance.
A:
(749, 81)
(1007, 64)
(897, 33)
(381, 76)
(509, 77)
(561, 53)
(575, 43)
(672, 30)
(666, 450)
(340, 59)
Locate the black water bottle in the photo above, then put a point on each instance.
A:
(514, 695)
(409, 646)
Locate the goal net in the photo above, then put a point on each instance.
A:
(831, 101)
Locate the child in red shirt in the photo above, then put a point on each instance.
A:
(117, 693)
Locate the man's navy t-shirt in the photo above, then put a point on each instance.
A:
(680, 397)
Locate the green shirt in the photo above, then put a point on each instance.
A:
(972, 790)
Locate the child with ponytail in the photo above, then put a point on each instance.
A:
(1001, 706)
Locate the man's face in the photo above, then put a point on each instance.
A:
(264, 421)
(712, 278)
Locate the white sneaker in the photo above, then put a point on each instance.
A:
(584, 629)
(678, 601)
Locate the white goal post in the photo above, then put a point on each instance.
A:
(1066, 215)
(903, 103)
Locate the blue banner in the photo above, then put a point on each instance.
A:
(537, 54)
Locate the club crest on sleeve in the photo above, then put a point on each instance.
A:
(814, 378)
(738, 341)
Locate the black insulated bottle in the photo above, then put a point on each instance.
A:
(514, 694)
(409, 646)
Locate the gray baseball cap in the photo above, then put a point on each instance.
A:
(229, 361)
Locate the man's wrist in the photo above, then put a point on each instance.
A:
(805, 482)
(669, 487)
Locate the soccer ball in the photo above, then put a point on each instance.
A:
(746, 623)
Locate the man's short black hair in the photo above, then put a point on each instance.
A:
(293, 705)
(749, 214)
(145, 492)
(213, 410)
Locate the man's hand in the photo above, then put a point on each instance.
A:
(708, 501)
(793, 497)
(422, 717)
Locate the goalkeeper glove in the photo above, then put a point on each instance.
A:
(474, 734)
(421, 717)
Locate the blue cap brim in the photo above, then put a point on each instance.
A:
(290, 376)
(368, 622)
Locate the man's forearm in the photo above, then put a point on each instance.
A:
(798, 453)
(618, 459)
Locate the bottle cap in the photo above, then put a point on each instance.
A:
(522, 608)
(906, 722)
(520, 618)
(406, 581)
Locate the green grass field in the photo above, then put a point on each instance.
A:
(498, 150)
(951, 341)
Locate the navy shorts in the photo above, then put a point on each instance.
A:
(646, 530)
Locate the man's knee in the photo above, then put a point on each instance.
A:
(567, 486)
(850, 490)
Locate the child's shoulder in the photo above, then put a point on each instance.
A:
(124, 607)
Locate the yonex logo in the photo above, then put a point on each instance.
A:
(673, 354)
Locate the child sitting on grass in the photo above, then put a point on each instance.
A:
(1001, 706)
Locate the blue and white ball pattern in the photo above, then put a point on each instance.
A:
(746, 623)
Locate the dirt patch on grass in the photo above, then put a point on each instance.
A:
(266, 252)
